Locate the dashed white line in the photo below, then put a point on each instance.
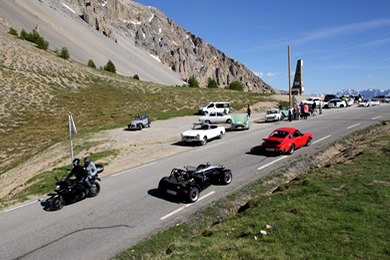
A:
(186, 206)
(268, 164)
(136, 168)
(377, 117)
(352, 126)
(321, 139)
(21, 206)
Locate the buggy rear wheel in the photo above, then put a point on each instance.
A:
(193, 195)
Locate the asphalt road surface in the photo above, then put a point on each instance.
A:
(129, 208)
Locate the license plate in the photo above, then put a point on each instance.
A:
(171, 192)
(269, 149)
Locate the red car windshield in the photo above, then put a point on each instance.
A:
(279, 134)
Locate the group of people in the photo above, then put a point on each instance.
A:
(302, 111)
(84, 174)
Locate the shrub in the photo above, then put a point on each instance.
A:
(13, 31)
(32, 37)
(211, 83)
(136, 77)
(64, 53)
(23, 34)
(42, 44)
(236, 85)
(110, 67)
(193, 82)
(91, 64)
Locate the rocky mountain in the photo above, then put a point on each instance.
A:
(175, 47)
(143, 40)
(368, 93)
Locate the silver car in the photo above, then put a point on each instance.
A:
(215, 117)
(139, 122)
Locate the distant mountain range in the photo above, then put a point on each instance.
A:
(368, 93)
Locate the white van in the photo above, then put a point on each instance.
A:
(223, 107)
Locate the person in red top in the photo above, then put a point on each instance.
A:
(305, 111)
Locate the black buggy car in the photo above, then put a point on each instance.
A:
(187, 183)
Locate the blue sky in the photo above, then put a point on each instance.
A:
(343, 43)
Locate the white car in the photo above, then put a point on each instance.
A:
(216, 117)
(374, 102)
(202, 133)
(336, 102)
(223, 107)
(273, 115)
(350, 102)
(369, 103)
(311, 100)
(364, 103)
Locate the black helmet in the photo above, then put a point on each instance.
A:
(87, 160)
(76, 161)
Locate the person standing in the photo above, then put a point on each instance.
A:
(305, 111)
(248, 110)
(290, 114)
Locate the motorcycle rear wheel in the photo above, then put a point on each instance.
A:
(94, 190)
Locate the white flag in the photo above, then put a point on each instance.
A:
(72, 126)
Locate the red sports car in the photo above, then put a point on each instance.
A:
(286, 140)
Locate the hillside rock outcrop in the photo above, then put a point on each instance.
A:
(177, 48)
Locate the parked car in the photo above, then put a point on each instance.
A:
(286, 140)
(240, 121)
(216, 117)
(139, 122)
(274, 114)
(187, 183)
(223, 107)
(333, 103)
(380, 98)
(364, 103)
(387, 99)
(202, 133)
(311, 100)
(329, 97)
(374, 102)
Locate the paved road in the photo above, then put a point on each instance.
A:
(128, 208)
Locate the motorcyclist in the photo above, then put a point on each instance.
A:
(77, 171)
(90, 170)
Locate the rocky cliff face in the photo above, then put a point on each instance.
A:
(180, 50)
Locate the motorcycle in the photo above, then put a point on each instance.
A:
(70, 191)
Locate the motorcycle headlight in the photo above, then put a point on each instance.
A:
(57, 187)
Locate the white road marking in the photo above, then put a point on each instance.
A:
(268, 164)
(322, 139)
(186, 206)
(352, 126)
(377, 117)
(21, 206)
(136, 168)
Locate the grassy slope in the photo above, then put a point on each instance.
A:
(336, 212)
(39, 89)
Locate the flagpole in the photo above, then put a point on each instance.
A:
(70, 136)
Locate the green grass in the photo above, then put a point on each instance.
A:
(339, 212)
(43, 183)
(101, 103)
